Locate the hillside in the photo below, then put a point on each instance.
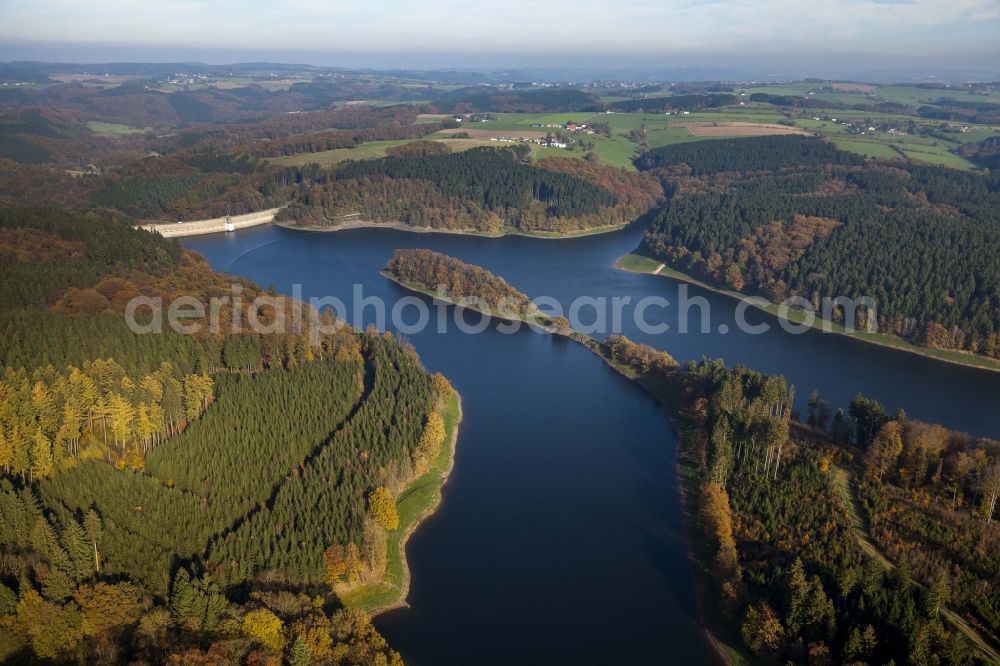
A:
(795, 217)
(201, 496)
(483, 189)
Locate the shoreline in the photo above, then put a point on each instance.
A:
(878, 339)
(386, 595)
(505, 231)
(661, 393)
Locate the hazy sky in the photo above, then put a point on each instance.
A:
(440, 32)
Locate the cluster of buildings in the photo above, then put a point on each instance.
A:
(182, 79)
(860, 126)
(551, 142)
(580, 128)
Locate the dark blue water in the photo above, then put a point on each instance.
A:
(560, 536)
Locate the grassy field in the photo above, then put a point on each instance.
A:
(520, 119)
(913, 95)
(375, 149)
(867, 148)
(615, 151)
(799, 89)
(937, 155)
(112, 129)
(824, 126)
(918, 149)
(976, 133)
(365, 151)
(662, 130)
(902, 94)
(642, 264)
(638, 263)
(668, 136)
(417, 502)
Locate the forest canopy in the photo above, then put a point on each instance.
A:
(791, 216)
(178, 497)
(483, 189)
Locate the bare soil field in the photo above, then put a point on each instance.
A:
(738, 129)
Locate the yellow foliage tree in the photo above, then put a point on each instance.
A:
(42, 464)
(335, 563)
(317, 639)
(715, 508)
(430, 443)
(761, 629)
(442, 387)
(264, 627)
(105, 606)
(382, 506)
(54, 630)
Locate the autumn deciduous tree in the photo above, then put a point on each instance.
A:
(382, 506)
(935, 335)
(264, 627)
(335, 563)
(734, 277)
(430, 443)
(715, 508)
(54, 630)
(442, 387)
(42, 464)
(761, 629)
(105, 606)
(884, 450)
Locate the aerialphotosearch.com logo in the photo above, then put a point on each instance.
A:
(412, 314)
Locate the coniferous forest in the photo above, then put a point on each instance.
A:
(189, 497)
(855, 536)
(238, 496)
(793, 216)
(850, 537)
(481, 189)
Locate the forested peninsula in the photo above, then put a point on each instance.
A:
(850, 535)
(482, 190)
(224, 497)
(455, 281)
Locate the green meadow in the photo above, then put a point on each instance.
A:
(112, 129)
